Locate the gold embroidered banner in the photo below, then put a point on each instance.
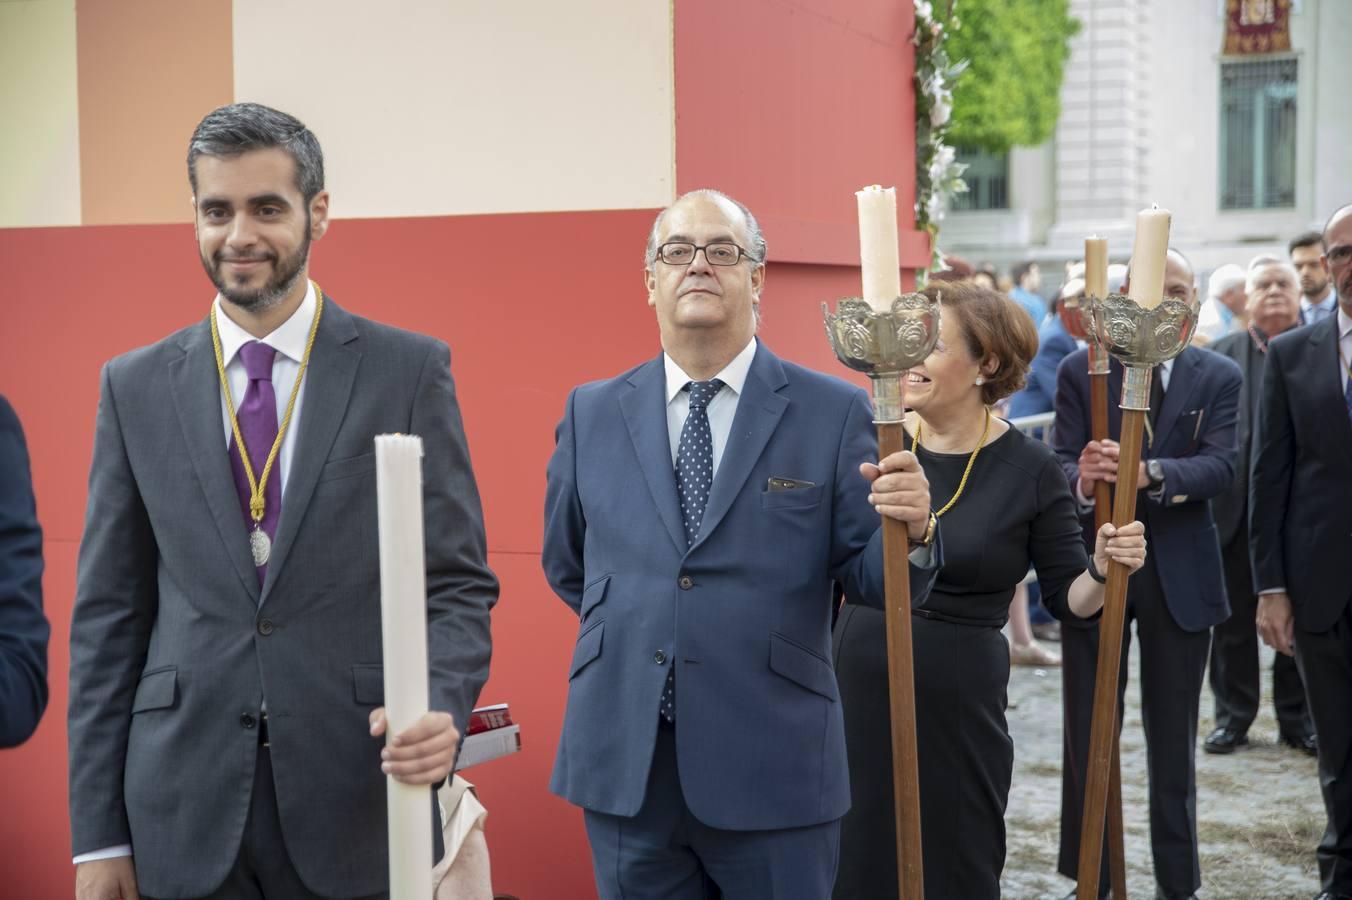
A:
(1257, 26)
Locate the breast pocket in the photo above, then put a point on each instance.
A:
(798, 498)
(351, 467)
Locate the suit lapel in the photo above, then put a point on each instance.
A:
(759, 410)
(328, 387)
(196, 390)
(644, 407)
(1326, 389)
(1182, 385)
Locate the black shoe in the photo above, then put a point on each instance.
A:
(1225, 740)
(1306, 743)
(1160, 895)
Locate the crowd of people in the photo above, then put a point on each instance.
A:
(726, 730)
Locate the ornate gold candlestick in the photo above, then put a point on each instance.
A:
(1141, 338)
(886, 345)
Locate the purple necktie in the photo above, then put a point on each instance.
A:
(257, 416)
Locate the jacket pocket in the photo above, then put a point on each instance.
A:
(802, 666)
(368, 684)
(348, 468)
(156, 690)
(794, 499)
(587, 649)
(592, 595)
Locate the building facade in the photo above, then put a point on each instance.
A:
(1202, 107)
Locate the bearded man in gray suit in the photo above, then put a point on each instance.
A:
(226, 698)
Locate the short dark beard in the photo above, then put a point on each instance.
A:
(286, 272)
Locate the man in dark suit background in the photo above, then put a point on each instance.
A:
(1272, 308)
(1300, 523)
(23, 627)
(226, 679)
(1188, 457)
(699, 508)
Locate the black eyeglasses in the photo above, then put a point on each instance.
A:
(1338, 255)
(719, 253)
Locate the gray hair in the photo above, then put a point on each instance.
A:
(1265, 261)
(753, 230)
(240, 127)
(1225, 279)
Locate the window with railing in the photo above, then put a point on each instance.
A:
(1258, 134)
(987, 178)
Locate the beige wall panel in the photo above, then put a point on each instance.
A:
(471, 106)
(39, 109)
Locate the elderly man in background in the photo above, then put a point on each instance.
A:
(1273, 307)
(1224, 311)
(1318, 300)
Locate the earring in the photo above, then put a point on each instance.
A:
(980, 381)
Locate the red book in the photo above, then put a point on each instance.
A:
(487, 718)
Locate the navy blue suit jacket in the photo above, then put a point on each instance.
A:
(744, 614)
(1038, 395)
(23, 628)
(1195, 444)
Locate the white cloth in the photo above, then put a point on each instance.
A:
(721, 409)
(289, 340)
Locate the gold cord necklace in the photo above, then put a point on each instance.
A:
(971, 460)
(260, 545)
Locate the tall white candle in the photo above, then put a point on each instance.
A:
(1096, 266)
(1148, 257)
(403, 617)
(878, 246)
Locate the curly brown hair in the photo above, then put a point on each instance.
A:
(994, 327)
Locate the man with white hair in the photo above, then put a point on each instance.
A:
(1273, 307)
(1224, 310)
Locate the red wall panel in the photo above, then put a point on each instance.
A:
(793, 105)
(530, 304)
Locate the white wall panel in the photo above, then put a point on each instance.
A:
(471, 106)
(39, 109)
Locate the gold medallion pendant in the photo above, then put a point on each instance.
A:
(260, 545)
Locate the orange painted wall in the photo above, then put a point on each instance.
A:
(148, 71)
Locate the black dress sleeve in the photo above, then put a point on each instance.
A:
(1056, 542)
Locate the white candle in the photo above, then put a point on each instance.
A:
(403, 617)
(1148, 257)
(878, 246)
(1096, 266)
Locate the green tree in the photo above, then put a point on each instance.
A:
(1016, 52)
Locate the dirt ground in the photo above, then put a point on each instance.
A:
(1259, 811)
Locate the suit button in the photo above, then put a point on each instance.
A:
(265, 627)
(659, 657)
(686, 582)
(247, 720)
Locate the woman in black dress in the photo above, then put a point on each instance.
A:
(1006, 505)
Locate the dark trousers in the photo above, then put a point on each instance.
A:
(263, 869)
(665, 853)
(1325, 661)
(1234, 657)
(1173, 662)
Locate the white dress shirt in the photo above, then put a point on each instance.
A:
(721, 409)
(289, 340)
(1310, 313)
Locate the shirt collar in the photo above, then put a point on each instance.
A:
(1344, 323)
(733, 374)
(1327, 303)
(288, 339)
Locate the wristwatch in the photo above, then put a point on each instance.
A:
(1155, 471)
(929, 532)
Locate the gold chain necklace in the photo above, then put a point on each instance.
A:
(971, 460)
(260, 545)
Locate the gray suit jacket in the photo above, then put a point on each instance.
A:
(174, 647)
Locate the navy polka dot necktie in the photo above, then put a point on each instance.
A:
(694, 477)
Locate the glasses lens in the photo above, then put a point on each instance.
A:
(722, 254)
(678, 253)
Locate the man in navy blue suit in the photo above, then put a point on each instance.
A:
(700, 508)
(1188, 457)
(23, 627)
